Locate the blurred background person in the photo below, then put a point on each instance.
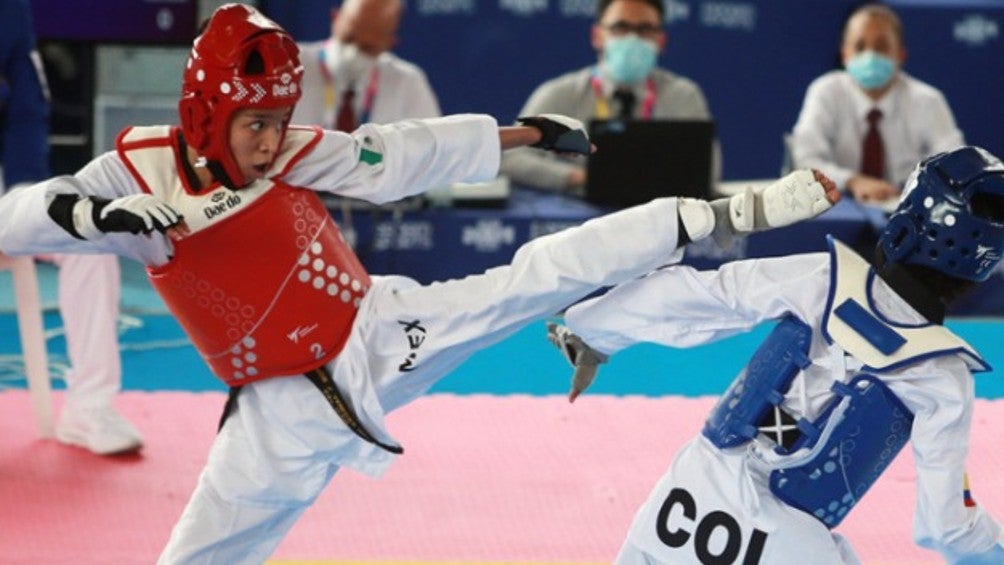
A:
(866, 126)
(353, 78)
(628, 36)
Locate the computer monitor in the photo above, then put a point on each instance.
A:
(637, 161)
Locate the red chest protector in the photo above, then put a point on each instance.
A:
(271, 290)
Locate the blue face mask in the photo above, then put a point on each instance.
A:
(628, 59)
(871, 70)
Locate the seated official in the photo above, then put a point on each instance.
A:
(624, 83)
(867, 126)
(353, 78)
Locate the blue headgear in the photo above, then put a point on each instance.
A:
(951, 218)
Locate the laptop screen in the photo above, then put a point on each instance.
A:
(636, 161)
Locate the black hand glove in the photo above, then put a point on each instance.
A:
(137, 213)
(559, 133)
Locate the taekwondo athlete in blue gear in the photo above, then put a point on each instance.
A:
(858, 364)
(88, 284)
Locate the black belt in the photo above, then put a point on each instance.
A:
(323, 381)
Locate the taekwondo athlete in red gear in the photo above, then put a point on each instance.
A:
(224, 212)
(89, 285)
(858, 365)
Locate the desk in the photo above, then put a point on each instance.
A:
(430, 244)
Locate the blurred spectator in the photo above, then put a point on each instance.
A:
(352, 77)
(867, 126)
(628, 36)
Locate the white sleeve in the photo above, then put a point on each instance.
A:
(27, 229)
(940, 393)
(384, 163)
(681, 307)
(941, 131)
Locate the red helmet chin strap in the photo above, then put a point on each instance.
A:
(242, 60)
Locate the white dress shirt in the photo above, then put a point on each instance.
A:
(402, 91)
(916, 123)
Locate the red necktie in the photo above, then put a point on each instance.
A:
(346, 120)
(873, 151)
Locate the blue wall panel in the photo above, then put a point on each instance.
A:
(753, 59)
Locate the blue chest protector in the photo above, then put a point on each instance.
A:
(849, 445)
(761, 386)
(871, 427)
(827, 464)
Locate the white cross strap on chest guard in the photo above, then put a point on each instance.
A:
(754, 398)
(824, 465)
(851, 322)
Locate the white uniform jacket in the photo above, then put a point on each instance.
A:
(369, 164)
(439, 151)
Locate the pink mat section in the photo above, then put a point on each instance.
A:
(484, 479)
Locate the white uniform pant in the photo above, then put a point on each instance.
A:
(283, 443)
(714, 506)
(89, 292)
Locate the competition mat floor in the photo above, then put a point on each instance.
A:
(499, 468)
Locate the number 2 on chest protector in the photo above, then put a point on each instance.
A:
(317, 350)
(716, 537)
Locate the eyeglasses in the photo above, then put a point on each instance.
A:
(624, 28)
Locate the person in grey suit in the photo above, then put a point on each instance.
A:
(625, 82)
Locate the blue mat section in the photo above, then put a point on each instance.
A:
(157, 356)
(525, 363)
(137, 296)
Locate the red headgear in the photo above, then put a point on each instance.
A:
(217, 83)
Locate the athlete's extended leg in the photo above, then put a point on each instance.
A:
(425, 331)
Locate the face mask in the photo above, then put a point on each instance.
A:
(347, 64)
(628, 59)
(871, 70)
